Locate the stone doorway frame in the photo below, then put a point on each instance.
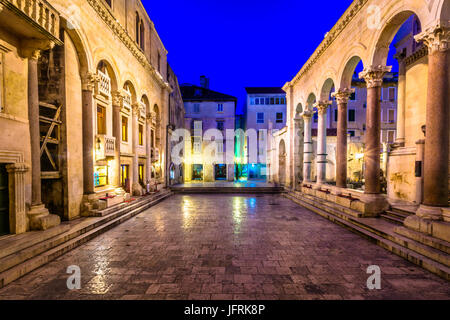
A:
(16, 168)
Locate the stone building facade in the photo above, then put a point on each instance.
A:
(84, 94)
(365, 33)
(210, 118)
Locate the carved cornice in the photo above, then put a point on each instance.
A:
(373, 75)
(123, 35)
(343, 95)
(31, 48)
(436, 38)
(331, 36)
(422, 52)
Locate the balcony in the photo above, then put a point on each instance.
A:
(127, 102)
(105, 147)
(104, 85)
(38, 13)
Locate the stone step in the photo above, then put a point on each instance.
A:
(397, 214)
(20, 263)
(392, 219)
(228, 190)
(433, 256)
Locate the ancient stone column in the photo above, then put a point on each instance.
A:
(437, 123)
(136, 187)
(89, 82)
(401, 100)
(307, 146)
(374, 79)
(149, 147)
(342, 96)
(298, 151)
(35, 135)
(117, 133)
(322, 107)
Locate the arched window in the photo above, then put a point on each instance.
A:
(142, 35)
(138, 31)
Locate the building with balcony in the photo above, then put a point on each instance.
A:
(210, 117)
(84, 95)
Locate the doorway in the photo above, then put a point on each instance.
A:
(4, 201)
(197, 172)
(220, 172)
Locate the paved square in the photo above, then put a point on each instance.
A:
(228, 247)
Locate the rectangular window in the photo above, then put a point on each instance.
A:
(100, 176)
(353, 96)
(220, 107)
(272, 101)
(252, 101)
(351, 133)
(279, 117)
(101, 120)
(351, 115)
(124, 129)
(335, 115)
(391, 136)
(220, 125)
(277, 101)
(197, 108)
(283, 100)
(260, 117)
(392, 94)
(124, 175)
(257, 101)
(267, 102)
(141, 135)
(219, 146)
(197, 142)
(391, 115)
(141, 174)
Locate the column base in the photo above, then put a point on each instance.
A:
(137, 189)
(430, 213)
(40, 219)
(372, 205)
(435, 228)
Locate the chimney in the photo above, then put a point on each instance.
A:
(204, 82)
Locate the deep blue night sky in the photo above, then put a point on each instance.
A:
(242, 43)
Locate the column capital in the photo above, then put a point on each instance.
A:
(322, 106)
(343, 95)
(436, 38)
(117, 98)
(89, 81)
(136, 106)
(373, 75)
(307, 114)
(17, 168)
(31, 48)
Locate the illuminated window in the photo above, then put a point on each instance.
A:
(101, 120)
(100, 176)
(124, 175)
(124, 129)
(141, 174)
(141, 135)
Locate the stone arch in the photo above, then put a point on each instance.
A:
(298, 109)
(282, 162)
(380, 51)
(348, 71)
(146, 101)
(311, 100)
(106, 67)
(327, 88)
(128, 86)
(81, 46)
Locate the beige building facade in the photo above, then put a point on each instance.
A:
(84, 99)
(364, 33)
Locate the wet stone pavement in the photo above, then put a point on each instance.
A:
(228, 247)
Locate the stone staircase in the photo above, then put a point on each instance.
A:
(430, 253)
(21, 254)
(396, 215)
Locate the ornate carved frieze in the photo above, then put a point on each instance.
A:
(436, 38)
(343, 95)
(422, 52)
(373, 75)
